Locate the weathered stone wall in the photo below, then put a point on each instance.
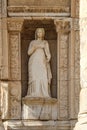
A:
(12, 40)
(82, 19)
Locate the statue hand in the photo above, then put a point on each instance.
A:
(48, 59)
(39, 46)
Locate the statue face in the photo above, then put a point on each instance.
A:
(39, 33)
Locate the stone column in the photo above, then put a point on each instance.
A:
(82, 18)
(5, 71)
(82, 116)
(74, 71)
(11, 90)
(75, 63)
(14, 28)
(63, 28)
(1, 124)
(3, 15)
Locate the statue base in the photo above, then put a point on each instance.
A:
(37, 108)
(37, 125)
(1, 126)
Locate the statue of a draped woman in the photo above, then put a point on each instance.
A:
(39, 72)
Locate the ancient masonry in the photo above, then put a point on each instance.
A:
(65, 24)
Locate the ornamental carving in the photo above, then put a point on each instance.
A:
(14, 24)
(39, 9)
(14, 57)
(15, 100)
(63, 25)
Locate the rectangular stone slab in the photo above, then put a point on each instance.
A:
(39, 108)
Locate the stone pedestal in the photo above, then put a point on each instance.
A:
(37, 125)
(1, 126)
(39, 108)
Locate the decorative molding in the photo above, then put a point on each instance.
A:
(38, 9)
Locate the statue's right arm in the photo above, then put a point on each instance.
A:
(31, 49)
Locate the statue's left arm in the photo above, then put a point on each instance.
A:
(47, 51)
(48, 56)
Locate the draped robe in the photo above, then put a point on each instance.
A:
(39, 72)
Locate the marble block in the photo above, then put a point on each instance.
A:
(39, 108)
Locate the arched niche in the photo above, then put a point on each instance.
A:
(27, 35)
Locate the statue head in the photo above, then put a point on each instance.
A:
(39, 33)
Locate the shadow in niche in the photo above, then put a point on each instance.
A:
(28, 34)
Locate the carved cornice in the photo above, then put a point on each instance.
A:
(63, 25)
(39, 9)
(15, 24)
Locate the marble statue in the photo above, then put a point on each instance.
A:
(39, 71)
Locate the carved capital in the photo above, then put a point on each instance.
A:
(63, 25)
(15, 24)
